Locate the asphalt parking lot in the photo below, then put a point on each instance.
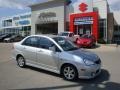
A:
(13, 77)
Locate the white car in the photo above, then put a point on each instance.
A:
(58, 55)
(70, 36)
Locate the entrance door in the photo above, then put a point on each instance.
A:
(83, 29)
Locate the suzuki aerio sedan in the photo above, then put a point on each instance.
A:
(58, 55)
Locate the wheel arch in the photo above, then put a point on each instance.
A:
(18, 55)
(67, 64)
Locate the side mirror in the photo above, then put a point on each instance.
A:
(52, 48)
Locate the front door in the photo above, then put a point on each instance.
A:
(45, 57)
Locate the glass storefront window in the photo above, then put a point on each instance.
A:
(7, 23)
(116, 36)
(102, 28)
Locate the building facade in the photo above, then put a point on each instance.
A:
(78, 16)
(48, 17)
(18, 24)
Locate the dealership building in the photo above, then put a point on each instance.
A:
(18, 24)
(78, 16)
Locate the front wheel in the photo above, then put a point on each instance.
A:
(21, 61)
(70, 72)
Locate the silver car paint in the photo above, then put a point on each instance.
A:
(53, 61)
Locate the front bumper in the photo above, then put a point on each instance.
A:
(85, 44)
(89, 72)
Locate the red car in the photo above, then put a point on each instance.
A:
(86, 41)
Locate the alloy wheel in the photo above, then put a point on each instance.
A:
(69, 73)
(21, 61)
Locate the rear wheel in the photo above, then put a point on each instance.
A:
(21, 61)
(69, 72)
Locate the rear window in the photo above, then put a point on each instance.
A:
(32, 41)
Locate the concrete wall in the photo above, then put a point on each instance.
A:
(55, 6)
(102, 8)
(110, 27)
(116, 16)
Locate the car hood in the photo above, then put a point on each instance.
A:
(84, 39)
(85, 54)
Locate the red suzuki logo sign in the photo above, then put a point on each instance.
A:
(83, 7)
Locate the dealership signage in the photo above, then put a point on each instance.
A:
(22, 17)
(47, 15)
(83, 21)
(22, 22)
(83, 6)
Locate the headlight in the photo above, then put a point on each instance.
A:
(88, 42)
(88, 62)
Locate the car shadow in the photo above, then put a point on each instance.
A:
(93, 47)
(43, 71)
(96, 46)
(101, 82)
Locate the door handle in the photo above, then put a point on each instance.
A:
(40, 51)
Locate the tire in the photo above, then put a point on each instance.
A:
(10, 40)
(69, 72)
(21, 61)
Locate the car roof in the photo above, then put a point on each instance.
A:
(66, 32)
(46, 35)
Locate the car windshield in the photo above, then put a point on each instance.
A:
(64, 34)
(65, 44)
(85, 36)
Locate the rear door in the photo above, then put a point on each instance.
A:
(30, 48)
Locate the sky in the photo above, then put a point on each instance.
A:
(13, 7)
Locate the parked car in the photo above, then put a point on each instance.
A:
(1, 35)
(86, 41)
(4, 36)
(14, 38)
(57, 54)
(69, 35)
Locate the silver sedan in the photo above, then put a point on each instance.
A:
(57, 54)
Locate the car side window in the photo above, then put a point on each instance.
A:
(32, 41)
(45, 43)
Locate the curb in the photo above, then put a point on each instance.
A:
(110, 45)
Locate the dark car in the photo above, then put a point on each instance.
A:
(1, 35)
(86, 41)
(14, 38)
(4, 36)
